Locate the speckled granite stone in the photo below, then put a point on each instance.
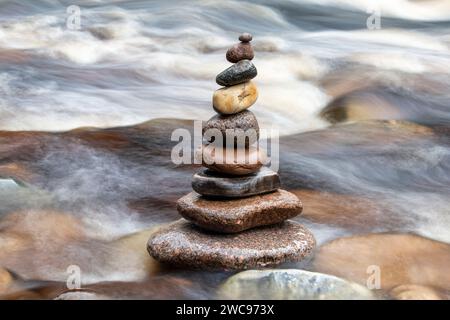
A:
(236, 215)
(239, 127)
(183, 244)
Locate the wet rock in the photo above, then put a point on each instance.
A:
(6, 279)
(215, 184)
(290, 284)
(238, 162)
(102, 33)
(14, 56)
(245, 37)
(352, 212)
(183, 244)
(38, 245)
(156, 287)
(242, 128)
(401, 259)
(417, 292)
(240, 51)
(234, 99)
(81, 295)
(239, 72)
(236, 215)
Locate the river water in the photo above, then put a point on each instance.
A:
(364, 117)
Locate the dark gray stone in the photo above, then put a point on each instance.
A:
(240, 125)
(239, 72)
(214, 184)
(183, 244)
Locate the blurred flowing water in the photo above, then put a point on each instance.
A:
(323, 78)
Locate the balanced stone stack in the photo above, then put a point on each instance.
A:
(236, 216)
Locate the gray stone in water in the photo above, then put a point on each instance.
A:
(239, 72)
(291, 284)
(183, 244)
(215, 184)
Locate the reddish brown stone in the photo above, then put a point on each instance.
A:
(183, 244)
(236, 215)
(240, 52)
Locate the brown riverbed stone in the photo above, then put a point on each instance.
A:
(236, 215)
(401, 259)
(182, 243)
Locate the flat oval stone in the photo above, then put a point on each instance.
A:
(240, 162)
(291, 284)
(236, 215)
(240, 51)
(234, 99)
(245, 37)
(215, 184)
(241, 129)
(183, 244)
(239, 72)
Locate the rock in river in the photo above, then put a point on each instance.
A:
(182, 243)
(401, 259)
(241, 127)
(239, 72)
(236, 215)
(234, 99)
(290, 284)
(215, 184)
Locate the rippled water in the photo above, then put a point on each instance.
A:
(324, 80)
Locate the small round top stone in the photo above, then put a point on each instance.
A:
(245, 37)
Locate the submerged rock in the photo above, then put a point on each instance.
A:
(6, 279)
(236, 215)
(290, 284)
(417, 292)
(183, 244)
(401, 259)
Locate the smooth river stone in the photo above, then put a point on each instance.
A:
(245, 37)
(214, 184)
(239, 72)
(241, 126)
(240, 51)
(291, 284)
(184, 244)
(236, 215)
(234, 99)
(242, 162)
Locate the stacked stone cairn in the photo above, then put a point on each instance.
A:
(236, 216)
